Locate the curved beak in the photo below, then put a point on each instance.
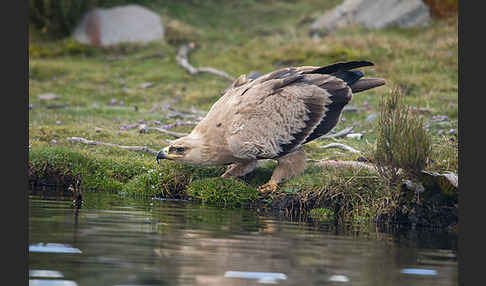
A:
(163, 154)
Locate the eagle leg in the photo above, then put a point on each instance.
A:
(290, 165)
(239, 169)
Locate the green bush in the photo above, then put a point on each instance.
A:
(403, 145)
(58, 18)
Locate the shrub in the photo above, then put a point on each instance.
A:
(403, 145)
(58, 18)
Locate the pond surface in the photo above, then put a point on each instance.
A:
(114, 240)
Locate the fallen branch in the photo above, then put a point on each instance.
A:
(341, 146)
(168, 132)
(346, 164)
(340, 134)
(183, 114)
(131, 148)
(183, 61)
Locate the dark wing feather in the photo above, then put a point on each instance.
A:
(322, 117)
(335, 79)
(340, 95)
(316, 109)
(337, 67)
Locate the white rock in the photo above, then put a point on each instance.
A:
(47, 96)
(373, 14)
(354, 136)
(122, 24)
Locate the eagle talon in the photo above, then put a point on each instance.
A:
(268, 187)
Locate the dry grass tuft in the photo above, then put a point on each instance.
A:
(403, 145)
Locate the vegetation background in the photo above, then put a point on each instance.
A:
(105, 94)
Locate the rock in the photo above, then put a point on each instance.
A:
(373, 14)
(48, 96)
(411, 186)
(447, 182)
(371, 117)
(122, 24)
(354, 136)
(145, 85)
(142, 128)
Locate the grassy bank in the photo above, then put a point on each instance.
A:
(102, 96)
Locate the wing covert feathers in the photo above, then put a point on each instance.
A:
(276, 113)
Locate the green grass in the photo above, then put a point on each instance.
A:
(245, 36)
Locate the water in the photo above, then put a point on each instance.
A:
(113, 240)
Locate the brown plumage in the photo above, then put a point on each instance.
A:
(271, 117)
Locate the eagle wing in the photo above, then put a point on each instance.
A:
(278, 112)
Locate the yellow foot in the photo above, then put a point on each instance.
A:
(271, 186)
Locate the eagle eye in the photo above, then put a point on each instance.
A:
(177, 150)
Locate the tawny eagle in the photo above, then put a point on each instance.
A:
(271, 117)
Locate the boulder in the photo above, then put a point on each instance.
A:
(121, 24)
(373, 14)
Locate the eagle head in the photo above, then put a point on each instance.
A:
(190, 149)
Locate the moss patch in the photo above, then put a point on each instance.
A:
(223, 192)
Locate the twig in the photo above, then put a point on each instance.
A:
(131, 148)
(341, 146)
(347, 164)
(340, 134)
(183, 61)
(183, 114)
(168, 132)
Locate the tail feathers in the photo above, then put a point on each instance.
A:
(341, 67)
(350, 77)
(366, 83)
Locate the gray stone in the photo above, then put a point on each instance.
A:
(373, 14)
(122, 24)
(48, 96)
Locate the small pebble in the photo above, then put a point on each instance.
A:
(355, 136)
(142, 128)
(48, 96)
(145, 85)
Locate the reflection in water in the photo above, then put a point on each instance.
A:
(53, 248)
(49, 282)
(124, 241)
(261, 277)
(45, 274)
(419, 271)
